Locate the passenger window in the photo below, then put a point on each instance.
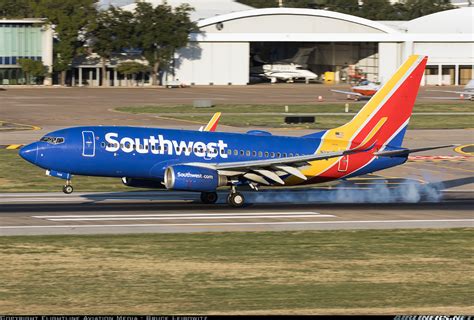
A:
(284, 155)
(260, 154)
(254, 153)
(229, 151)
(290, 155)
(241, 152)
(236, 152)
(266, 154)
(247, 153)
(278, 155)
(272, 154)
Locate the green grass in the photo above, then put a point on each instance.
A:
(18, 175)
(188, 112)
(377, 271)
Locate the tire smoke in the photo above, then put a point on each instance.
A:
(407, 192)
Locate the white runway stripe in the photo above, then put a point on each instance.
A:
(197, 217)
(234, 224)
(175, 215)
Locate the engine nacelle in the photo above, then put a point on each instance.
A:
(191, 178)
(143, 183)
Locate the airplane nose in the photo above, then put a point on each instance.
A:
(30, 152)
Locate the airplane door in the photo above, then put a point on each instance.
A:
(343, 164)
(88, 144)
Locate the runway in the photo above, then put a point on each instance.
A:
(179, 212)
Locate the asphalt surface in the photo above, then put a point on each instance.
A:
(179, 212)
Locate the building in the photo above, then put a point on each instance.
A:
(24, 38)
(220, 54)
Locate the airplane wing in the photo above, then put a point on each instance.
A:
(405, 152)
(448, 91)
(352, 93)
(212, 124)
(271, 169)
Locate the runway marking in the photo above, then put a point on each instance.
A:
(195, 218)
(438, 165)
(233, 223)
(174, 215)
(190, 216)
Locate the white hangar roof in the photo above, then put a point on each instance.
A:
(309, 25)
(459, 20)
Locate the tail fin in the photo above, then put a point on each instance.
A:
(212, 124)
(393, 101)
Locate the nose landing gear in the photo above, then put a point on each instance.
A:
(67, 188)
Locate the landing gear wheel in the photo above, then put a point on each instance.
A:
(209, 197)
(236, 199)
(68, 189)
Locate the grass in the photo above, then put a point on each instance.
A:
(244, 118)
(376, 271)
(18, 175)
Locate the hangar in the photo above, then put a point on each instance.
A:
(221, 52)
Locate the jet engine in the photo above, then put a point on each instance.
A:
(143, 183)
(193, 178)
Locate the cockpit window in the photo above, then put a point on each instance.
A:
(52, 140)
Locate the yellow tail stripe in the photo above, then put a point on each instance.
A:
(374, 130)
(212, 121)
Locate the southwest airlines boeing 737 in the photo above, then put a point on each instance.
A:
(202, 161)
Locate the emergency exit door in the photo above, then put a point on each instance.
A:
(88, 144)
(343, 164)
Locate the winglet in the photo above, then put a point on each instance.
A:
(212, 125)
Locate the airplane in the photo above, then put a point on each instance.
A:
(203, 161)
(364, 89)
(466, 93)
(284, 70)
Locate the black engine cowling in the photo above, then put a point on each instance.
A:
(143, 183)
(192, 178)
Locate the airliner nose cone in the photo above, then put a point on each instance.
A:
(30, 152)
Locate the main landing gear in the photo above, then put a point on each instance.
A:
(67, 188)
(208, 197)
(235, 199)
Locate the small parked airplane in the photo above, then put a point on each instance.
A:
(285, 70)
(364, 89)
(466, 93)
(201, 161)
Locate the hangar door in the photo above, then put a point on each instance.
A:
(213, 63)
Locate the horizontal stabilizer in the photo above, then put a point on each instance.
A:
(352, 93)
(405, 152)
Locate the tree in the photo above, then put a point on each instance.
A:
(33, 69)
(377, 10)
(160, 31)
(370, 9)
(111, 32)
(132, 68)
(16, 9)
(69, 19)
(412, 9)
